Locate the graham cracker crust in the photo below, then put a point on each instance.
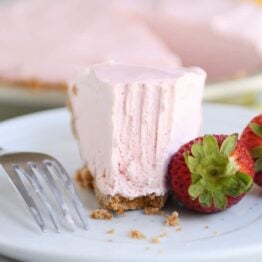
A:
(101, 214)
(33, 84)
(117, 202)
(84, 178)
(152, 211)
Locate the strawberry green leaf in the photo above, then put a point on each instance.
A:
(229, 183)
(231, 186)
(220, 200)
(196, 190)
(195, 178)
(258, 165)
(257, 152)
(237, 185)
(197, 150)
(205, 199)
(233, 191)
(230, 168)
(229, 145)
(192, 163)
(256, 128)
(210, 145)
(245, 181)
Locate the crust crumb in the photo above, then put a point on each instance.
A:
(136, 234)
(84, 178)
(172, 220)
(110, 231)
(206, 226)
(120, 212)
(101, 214)
(155, 240)
(151, 211)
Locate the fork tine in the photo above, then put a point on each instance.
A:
(70, 188)
(13, 175)
(57, 194)
(39, 190)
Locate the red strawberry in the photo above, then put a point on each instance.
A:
(252, 137)
(211, 173)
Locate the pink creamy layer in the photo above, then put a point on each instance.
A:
(51, 40)
(222, 36)
(129, 121)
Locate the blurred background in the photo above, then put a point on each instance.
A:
(43, 43)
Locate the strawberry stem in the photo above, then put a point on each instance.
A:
(214, 172)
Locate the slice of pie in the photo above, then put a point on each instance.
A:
(128, 121)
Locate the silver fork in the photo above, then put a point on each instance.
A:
(31, 166)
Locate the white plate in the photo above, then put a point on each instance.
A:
(233, 235)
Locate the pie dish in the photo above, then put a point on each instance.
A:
(217, 36)
(223, 36)
(44, 43)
